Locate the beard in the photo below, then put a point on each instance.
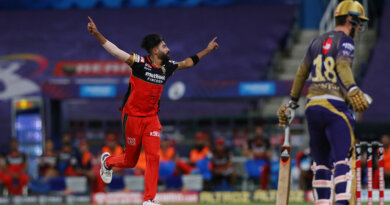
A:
(164, 57)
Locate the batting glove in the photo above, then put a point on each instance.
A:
(358, 101)
(282, 116)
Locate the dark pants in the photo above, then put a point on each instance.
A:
(331, 127)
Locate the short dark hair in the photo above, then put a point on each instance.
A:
(341, 20)
(150, 41)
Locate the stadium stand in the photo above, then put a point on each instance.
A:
(376, 81)
(248, 42)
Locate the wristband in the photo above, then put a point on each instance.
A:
(195, 59)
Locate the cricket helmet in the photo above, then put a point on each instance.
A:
(350, 7)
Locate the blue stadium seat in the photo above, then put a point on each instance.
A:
(137, 3)
(166, 175)
(166, 169)
(61, 4)
(204, 168)
(86, 4)
(253, 167)
(37, 4)
(57, 184)
(39, 186)
(174, 182)
(117, 183)
(112, 3)
(274, 174)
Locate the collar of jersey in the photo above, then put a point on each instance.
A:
(150, 62)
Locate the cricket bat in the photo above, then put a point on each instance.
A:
(285, 164)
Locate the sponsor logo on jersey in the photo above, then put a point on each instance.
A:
(15, 160)
(347, 53)
(326, 46)
(155, 134)
(147, 67)
(139, 59)
(155, 78)
(155, 75)
(173, 62)
(136, 58)
(131, 141)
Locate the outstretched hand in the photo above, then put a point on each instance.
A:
(212, 45)
(92, 27)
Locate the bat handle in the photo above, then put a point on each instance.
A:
(290, 113)
(286, 136)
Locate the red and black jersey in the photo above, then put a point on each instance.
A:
(16, 162)
(47, 161)
(146, 85)
(221, 159)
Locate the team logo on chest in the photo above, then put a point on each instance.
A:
(163, 69)
(326, 46)
(147, 66)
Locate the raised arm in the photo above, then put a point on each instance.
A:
(110, 47)
(193, 60)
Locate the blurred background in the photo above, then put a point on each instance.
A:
(60, 92)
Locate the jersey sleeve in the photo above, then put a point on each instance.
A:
(346, 50)
(344, 60)
(137, 59)
(172, 66)
(302, 74)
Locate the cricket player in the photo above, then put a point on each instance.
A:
(140, 123)
(330, 123)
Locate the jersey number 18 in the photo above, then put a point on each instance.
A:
(327, 74)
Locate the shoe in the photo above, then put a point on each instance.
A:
(105, 172)
(151, 202)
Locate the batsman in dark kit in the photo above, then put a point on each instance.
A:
(328, 59)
